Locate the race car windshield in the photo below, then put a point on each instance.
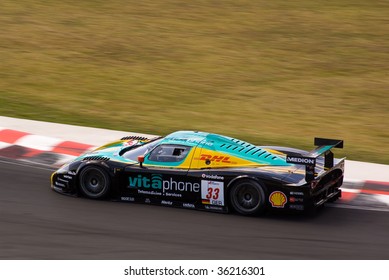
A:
(141, 150)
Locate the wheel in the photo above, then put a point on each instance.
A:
(94, 182)
(247, 197)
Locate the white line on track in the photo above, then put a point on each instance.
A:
(365, 208)
(26, 164)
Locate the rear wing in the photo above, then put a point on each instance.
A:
(324, 147)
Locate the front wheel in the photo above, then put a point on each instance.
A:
(94, 182)
(247, 197)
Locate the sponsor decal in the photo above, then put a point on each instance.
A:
(296, 206)
(149, 192)
(277, 199)
(72, 173)
(297, 193)
(293, 199)
(215, 158)
(68, 177)
(209, 144)
(214, 177)
(212, 192)
(116, 170)
(301, 160)
(173, 194)
(211, 207)
(127, 198)
(165, 202)
(188, 205)
(156, 184)
(130, 143)
(190, 140)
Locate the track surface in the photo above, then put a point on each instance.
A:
(37, 223)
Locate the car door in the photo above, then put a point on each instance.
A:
(163, 177)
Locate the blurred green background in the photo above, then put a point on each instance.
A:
(271, 72)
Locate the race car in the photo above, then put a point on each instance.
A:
(200, 170)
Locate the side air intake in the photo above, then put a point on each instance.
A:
(135, 138)
(246, 149)
(95, 158)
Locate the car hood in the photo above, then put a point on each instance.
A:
(112, 150)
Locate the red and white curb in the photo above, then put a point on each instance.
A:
(368, 195)
(41, 149)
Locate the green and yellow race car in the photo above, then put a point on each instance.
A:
(199, 170)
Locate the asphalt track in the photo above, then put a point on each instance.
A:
(37, 223)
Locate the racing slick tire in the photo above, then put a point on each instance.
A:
(247, 197)
(94, 182)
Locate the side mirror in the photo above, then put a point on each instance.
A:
(141, 160)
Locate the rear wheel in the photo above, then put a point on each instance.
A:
(94, 182)
(247, 197)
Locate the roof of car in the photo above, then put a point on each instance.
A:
(191, 138)
(226, 145)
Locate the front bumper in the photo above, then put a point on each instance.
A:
(63, 182)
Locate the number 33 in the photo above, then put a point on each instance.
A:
(214, 193)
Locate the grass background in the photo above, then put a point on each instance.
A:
(270, 72)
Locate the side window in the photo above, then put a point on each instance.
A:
(169, 153)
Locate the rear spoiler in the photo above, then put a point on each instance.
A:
(324, 147)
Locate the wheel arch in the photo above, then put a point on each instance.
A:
(98, 164)
(248, 177)
(262, 184)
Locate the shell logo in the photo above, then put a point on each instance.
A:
(277, 199)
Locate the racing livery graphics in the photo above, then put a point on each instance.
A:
(277, 199)
(199, 170)
(155, 185)
(212, 192)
